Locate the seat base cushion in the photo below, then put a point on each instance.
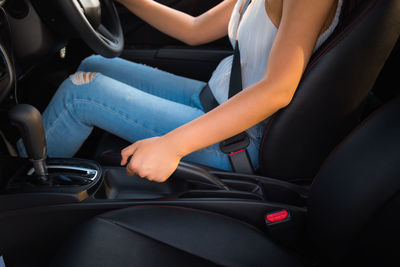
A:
(170, 236)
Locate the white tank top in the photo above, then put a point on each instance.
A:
(256, 34)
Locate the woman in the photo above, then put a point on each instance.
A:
(161, 113)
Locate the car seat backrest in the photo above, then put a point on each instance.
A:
(354, 202)
(329, 100)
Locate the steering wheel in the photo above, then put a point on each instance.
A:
(97, 23)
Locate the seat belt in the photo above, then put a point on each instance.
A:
(234, 146)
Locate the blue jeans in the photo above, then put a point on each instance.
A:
(132, 101)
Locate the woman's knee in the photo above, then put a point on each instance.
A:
(90, 63)
(71, 88)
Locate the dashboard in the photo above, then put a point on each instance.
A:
(27, 35)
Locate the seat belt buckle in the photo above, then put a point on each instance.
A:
(235, 147)
(235, 144)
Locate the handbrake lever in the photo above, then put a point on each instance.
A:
(191, 172)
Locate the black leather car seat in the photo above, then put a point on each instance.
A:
(353, 218)
(329, 100)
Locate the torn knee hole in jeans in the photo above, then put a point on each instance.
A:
(80, 78)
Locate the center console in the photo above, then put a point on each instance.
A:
(80, 181)
(55, 195)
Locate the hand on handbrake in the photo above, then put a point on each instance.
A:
(154, 159)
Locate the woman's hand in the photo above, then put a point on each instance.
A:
(192, 30)
(154, 158)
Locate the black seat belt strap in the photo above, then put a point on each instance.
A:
(234, 146)
(235, 81)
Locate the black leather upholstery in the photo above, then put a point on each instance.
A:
(357, 181)
(328, 101)
(170, 236)
(354, 203)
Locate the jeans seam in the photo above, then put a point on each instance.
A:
(67, 107)
(53, 125)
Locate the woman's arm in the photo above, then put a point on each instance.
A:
(301, 23)
(205, 28)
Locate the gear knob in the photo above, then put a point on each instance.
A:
(29, 122)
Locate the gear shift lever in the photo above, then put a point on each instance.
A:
(29, 122)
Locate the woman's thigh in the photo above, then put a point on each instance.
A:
(151, 80)
(119, 109)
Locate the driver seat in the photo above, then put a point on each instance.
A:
(353, 218)
(329, 101)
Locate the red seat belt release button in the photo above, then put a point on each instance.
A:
(277, 216)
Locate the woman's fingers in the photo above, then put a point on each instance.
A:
(130, 168)
(136, 167)
(127, 152)
(152, 158)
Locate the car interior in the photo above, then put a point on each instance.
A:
(327, 192)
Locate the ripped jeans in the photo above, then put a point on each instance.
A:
(130, 100)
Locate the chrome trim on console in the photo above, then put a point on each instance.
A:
(91, 172)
